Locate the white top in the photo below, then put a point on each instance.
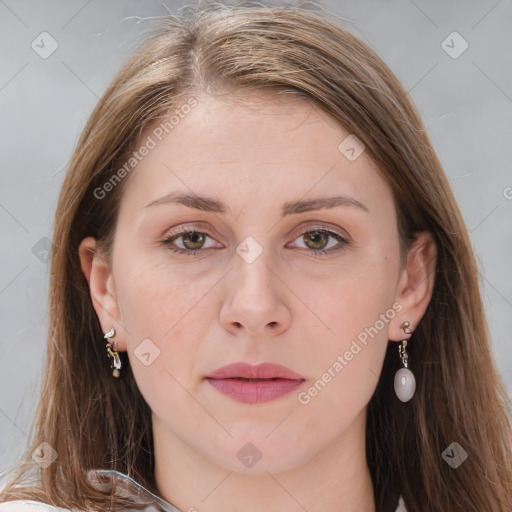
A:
(125, 487)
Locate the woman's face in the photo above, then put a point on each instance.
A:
(249, 236)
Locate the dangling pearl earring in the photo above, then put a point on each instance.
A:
(405, 383)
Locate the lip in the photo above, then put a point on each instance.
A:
(255, 384)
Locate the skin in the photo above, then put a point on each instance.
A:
(288, 306)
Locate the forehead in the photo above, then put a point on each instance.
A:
(248, 148)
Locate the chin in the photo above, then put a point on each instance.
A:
(261, 454)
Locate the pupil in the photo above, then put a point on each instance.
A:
(318, 238)
(193, 239)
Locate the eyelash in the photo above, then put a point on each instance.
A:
(316, 252)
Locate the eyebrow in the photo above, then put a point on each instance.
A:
(208, 204)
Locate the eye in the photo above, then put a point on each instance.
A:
(318, 240)
(322, 241)
(189, 241)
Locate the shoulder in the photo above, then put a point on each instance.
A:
(29, 506)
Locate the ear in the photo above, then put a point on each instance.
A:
(99, 277)
(415, 285)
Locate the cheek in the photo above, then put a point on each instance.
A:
(357, 306)
(165, 321)
(354, 297)
(161, 305)
(346, 367)
(157, 299)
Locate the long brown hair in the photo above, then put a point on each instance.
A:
(95, 421)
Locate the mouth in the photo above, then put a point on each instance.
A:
(249, 384)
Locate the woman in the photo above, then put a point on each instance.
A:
(263, 293)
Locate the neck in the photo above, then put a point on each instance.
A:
(337, 479)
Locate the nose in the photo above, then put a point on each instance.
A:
(255, 300)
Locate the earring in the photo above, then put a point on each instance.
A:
(116, 363)
(405, 382)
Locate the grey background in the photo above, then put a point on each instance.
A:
(466, 104)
